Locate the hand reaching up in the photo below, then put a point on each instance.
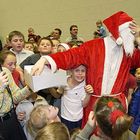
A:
(91, 119)
(89, 89)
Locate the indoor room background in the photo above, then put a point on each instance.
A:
(45, 15)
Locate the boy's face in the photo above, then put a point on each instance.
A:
(29, 47)
(74, 31)
(17, 43)
(51, 112)
(79, 73)
(56, 34)
(137, 74)
(45, 47)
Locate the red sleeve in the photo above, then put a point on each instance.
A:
(135, 59)
(132, 81)
(73, 57)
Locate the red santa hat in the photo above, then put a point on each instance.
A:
(114, 22)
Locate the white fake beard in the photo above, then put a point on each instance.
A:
(128, 41)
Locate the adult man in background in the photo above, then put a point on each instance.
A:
(74, 35)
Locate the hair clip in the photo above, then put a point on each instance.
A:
(114, 115)
(110, 104)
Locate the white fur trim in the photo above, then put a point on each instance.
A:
(113, 59)
(110, 95)
(66, 46)
(119, 41)
(123, 26)
(51, 62)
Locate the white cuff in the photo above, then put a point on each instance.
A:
(51, 62)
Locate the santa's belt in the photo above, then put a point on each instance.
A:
(109, 95)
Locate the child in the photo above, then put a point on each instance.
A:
(56, 42)
(63, 47)
(41, 116)
(10, 128)
(24, 109)
(29, 46)
(100, 29)
(8, 60)
(53, 131)
(134, 106)
(76, 96)
(110, 121)
(17, 40)
(45, 46)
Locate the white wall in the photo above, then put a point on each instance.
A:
(45, 15)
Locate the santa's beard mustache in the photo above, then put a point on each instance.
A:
(128, 41)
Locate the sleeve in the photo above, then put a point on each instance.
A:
(73, 57)
(18, 94)
(85, 133)
(135, 59)
(133, 83)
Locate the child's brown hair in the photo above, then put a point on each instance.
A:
(4, 54)
(44, 38)
(15, 33)
(111, 117)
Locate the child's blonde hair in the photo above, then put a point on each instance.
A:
(4, 54)
(38, 119)
(111, 117)
(53, 131)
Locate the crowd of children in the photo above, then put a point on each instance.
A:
(56, 113)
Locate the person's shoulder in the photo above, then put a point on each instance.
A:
(132, 136)
(79, 38)
(35, 55)
(27, 51)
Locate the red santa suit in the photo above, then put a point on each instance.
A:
(107, 66)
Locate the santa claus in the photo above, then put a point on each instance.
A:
(107, 60)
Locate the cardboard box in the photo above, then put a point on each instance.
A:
(46, 79)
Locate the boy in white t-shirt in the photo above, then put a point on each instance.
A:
(76, 96)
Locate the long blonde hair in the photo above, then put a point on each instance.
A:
(53, 131)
